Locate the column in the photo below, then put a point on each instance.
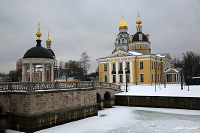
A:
(33, 73)
(30, 72)
(117, 76)
(124, 72)
(110, 71)
(43, 72)
(131, 72)
(23, 73)
(52, 72)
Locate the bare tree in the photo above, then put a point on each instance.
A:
(85, 62)
(190, 64)
(74, 69)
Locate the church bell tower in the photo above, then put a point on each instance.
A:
(122, 40)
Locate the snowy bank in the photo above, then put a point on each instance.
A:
(159, 90)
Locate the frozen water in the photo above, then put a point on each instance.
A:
(122, 119)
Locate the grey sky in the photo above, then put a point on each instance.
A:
(92, 26)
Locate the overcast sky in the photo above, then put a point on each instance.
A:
(92, 25)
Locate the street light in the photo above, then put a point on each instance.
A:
(126, 69)
(181, 80)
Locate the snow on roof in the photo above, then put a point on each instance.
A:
(178, 69)
(162, 55)
(196, 77)
(135, 53)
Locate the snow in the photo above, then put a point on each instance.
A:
(134, 53)
(133, 120)
(159, 55)
(170, 90)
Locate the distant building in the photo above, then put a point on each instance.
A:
(133, 62)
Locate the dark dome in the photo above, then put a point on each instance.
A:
(51, 52)
(38, 52)
(136, 37)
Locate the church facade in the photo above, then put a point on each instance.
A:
(132, 60)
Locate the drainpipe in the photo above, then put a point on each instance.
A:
(150, 70)
(136, 71)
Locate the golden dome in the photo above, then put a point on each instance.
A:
(48, 41)
(138, 21)
(38, 34)
(123, 24)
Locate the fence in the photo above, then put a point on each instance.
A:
(34, 86)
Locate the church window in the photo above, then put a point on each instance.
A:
(140, 37)
(134, 46)
(153, 77)
(119, 41)
(105, 78)
(155, 65)
(160, 77)
(120, 66)
(127, 78)
(121, 78)
(140, 46)
(127, 66)
(105, 67)
(141, 77)
(152, 65)
(141, 65)
(114, 78)
(113, 67)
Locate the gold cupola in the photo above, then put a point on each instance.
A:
(48, 41)
(38, 34)
(123, 24)
(138, 21)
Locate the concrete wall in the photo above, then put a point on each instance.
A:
(159, 102)
(41, 109)
(32, 111)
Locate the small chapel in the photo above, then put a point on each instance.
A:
(132, 61)
(38, 62)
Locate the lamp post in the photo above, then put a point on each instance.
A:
(126, 69)
(181, 80)
(164, 80)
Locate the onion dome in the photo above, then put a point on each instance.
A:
(138, 21)
(38, 51)
(38, 33)
(48, 41)
(123, 24)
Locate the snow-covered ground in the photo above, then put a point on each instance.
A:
(121, 119)
(170, 90)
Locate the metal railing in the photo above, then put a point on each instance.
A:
(34, 86)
